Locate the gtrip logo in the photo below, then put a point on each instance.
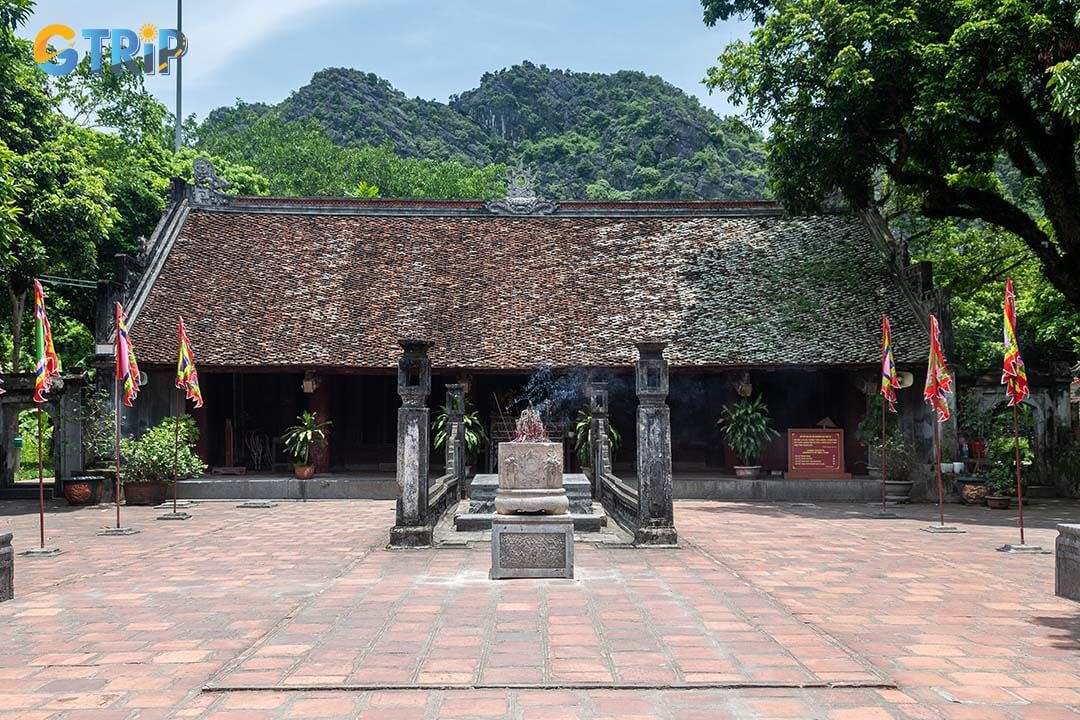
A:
(157, 49)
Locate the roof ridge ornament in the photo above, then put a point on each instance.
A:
(521, 197)
(207, 187)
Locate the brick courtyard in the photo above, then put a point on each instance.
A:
(297, 611)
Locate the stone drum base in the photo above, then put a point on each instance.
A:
(1067, 565)
(7, 568)
(532, 546)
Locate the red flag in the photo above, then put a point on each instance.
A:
(938, 380)
(47, 363)
(127, 369)
(187, 379)
(889, 380)
(1013, 375)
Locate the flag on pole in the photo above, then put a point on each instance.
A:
(938, 380)
(889, 380)
(47, 365)
(127, 369)
(187, 379)
(1013, 376)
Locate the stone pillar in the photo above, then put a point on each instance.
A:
(412, 528)
(7, 568)
(1067, 564)
(318, 402)
(67, 430)
(656, 518)
(455, 436)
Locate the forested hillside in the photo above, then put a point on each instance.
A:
(586, 135)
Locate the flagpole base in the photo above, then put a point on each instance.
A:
(885, 515)
(174, 516)
(109, 532)
(41, 552)
(257, 504)
(1022, 549)
(947, 529)
(168, 505)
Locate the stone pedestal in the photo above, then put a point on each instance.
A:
(1067, 566)
(531, 479)
(7, 568)
(532, 546)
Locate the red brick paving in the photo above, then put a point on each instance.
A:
(134, 627)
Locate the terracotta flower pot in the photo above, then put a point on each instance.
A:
(145, 493)
(972, 490)
(304, 472)
(998, 502)
(747, 471)
(82, 489)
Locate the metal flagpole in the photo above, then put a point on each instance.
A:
(176, 449)
(1019, 489)
(41, 479)
(940, 494)
(179, 76)
(884, 508)
(116, 384)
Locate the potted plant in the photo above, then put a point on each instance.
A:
(301, 438)
(901, 464)
(1001, 481)
(148, 461)
(583, 439)
(475, 436)
(868, 433)
(747, 430)
(975, 422)
(98, 426)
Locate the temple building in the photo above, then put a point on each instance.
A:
(300, 303)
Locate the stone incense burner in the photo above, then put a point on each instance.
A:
(531, 471)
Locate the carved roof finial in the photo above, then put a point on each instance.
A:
(521, 197)
(207, 187)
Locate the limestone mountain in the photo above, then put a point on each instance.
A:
(624, 135)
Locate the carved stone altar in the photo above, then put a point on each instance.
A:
(532, 535)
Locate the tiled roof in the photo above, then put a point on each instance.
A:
(266, 288)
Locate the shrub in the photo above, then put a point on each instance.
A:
(747, 428)
(150, 458)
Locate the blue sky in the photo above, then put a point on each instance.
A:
(260, 50)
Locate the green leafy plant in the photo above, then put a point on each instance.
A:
(306, 434)
(869, 430)
(898, 456)
(475, 436)
(747, 429)
(150, 458)
(98, 426)
(974, 421)
(583, 437)
(1001, 480)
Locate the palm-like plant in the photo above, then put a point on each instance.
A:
(475, 436)
(583, 437)
(747, 429)
(306, 434)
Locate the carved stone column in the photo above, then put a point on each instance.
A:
(412, 527)
(455, 436)
(7, 568)
(656, 518)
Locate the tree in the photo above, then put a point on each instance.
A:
(934, 94)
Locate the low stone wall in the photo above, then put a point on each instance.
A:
(7, 568)
(1067, 567)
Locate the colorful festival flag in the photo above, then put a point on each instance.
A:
(1013, 376)
(47, 364)
(127, 369)
(938, 380)
(187, 379)
(889, 380)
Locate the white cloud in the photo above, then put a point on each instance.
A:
(221, 31)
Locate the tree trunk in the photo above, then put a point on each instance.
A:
(18, 302)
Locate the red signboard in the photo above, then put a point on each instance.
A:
(816, 454)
